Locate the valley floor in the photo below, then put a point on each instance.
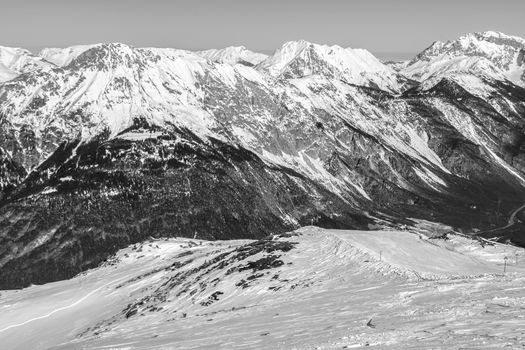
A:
(310, 289)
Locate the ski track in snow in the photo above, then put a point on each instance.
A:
(61, 308)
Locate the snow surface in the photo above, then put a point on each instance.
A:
(15, 61)
(356, 66)
(233, 55)
(488, 54)
(63, 56)
(413, 292)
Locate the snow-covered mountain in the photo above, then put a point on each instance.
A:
(297, 59)
(15, 61)
(489, 54)
(233, 55)
(104, 145)
(63, 56)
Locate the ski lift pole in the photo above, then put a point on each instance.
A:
(516, 258)
(505, 264)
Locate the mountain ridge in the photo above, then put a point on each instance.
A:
(501, 50)
(190, 145)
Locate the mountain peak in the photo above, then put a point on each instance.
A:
(297, 59)
(479, 43)
(491, 35)
(105, 56)
(15, 61)
(297, 44)
(63, 56)
(7, 49)
(455, 56)
(233, 55)
(488, 41)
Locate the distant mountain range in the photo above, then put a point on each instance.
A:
(105, 145)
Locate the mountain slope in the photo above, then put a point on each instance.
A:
(233, 55)
(16, 61)
(108, 195)
(312, 134)
(296, 59)
(490, 54)
(63, 56)
(349, 289)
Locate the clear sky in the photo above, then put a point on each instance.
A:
(385, 27)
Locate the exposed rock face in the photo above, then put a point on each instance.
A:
(109, 144)
(521, 58)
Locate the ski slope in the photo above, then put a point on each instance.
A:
(332, 289)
